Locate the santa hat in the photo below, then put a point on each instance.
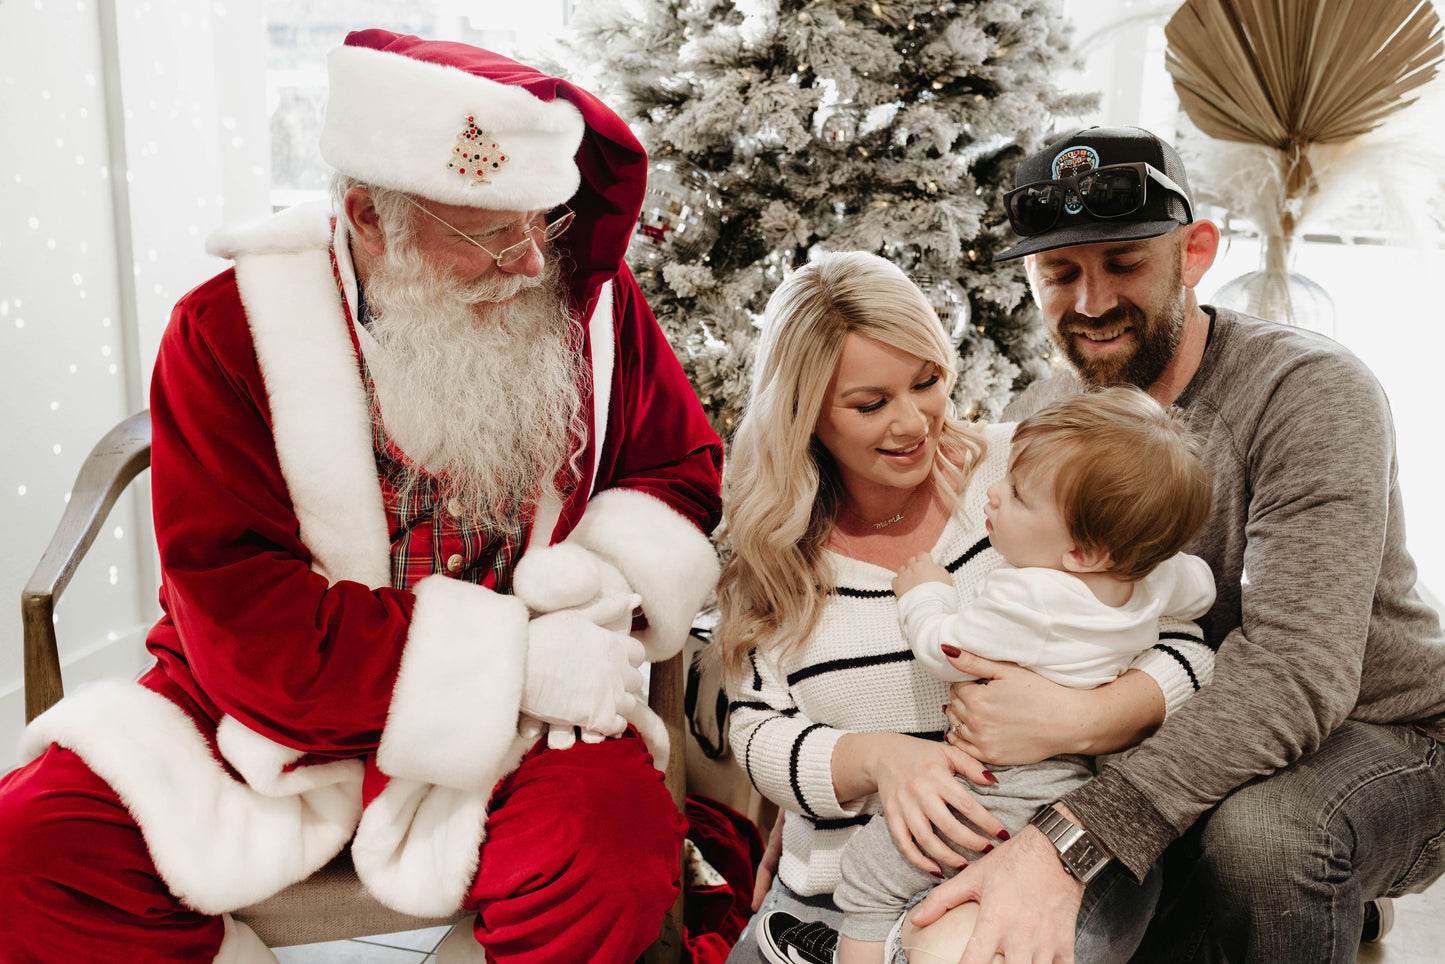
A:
(419, 116)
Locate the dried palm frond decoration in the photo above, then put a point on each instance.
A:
(1286, 88)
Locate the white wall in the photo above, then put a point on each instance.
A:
(120, 156)
(1387, 308)
(133, 129)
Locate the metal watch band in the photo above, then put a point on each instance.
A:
(1080, 852)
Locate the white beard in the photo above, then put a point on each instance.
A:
(477, 382)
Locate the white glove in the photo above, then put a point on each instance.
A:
(578, 674)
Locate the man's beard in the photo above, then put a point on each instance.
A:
(477, 383)
(1156, 334)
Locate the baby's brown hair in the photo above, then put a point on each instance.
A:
(1129, 479)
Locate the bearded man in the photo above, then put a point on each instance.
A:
(1306, 783)
(428, 479)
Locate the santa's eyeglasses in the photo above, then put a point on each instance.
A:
(1111, 191)
(511, 254)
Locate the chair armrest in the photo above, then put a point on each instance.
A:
(119, 457)
(665, 692)
(665, 696)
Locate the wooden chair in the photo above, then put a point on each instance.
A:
(332, 904)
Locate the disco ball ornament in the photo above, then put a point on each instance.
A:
(681, 215)
(836, 124)
(948, 299)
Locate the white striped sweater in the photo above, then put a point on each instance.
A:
(856, 673)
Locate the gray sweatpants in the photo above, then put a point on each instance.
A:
(878, 881)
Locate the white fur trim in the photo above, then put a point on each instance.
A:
(663, 556)
(262, 762)
(318, 404)
(296, 228)
(218, 844)
(654, 734)
(240, 945)
(453, 714)
(603, 344)
(393, 120)
(604, 359)
(556, 577)
(418, 845)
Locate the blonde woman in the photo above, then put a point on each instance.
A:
(847, 462)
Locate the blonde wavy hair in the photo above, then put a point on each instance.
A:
(783, 491)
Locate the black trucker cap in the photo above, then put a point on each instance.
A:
(1163, 209)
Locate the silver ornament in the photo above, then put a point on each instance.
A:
(681, 215)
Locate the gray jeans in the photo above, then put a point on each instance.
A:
(1279, 871)
(1112, 917)
(878, 881)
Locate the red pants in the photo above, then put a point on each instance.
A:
(580, 863)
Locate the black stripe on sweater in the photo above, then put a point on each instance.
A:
(760, 705)
(852, 662)
(839, 823)
(1190, 637)
(861, 593)
(952, 567)
(1179, 658)
(968, 556)
(748, 750)
(793, 769)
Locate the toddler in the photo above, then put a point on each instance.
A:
(1103, 490)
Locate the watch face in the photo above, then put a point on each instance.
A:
(1079, 851)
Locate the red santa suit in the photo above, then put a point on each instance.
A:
(297, 698)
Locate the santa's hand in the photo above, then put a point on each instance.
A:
(578, 674)
(612, 612)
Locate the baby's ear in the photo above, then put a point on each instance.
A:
(1087, 560)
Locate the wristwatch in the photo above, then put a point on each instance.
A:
(1081, 853)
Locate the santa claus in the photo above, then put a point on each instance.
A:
(362, 430)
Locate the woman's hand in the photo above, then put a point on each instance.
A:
(1011, 715)
(915, 782)
(768, 867)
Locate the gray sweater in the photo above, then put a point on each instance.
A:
(1317, 618)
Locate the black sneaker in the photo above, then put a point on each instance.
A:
(784, 939)
(1379, 918)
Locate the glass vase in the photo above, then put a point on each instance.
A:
(1277, 292)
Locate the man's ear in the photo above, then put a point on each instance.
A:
(1087, 560)
(1198, 250)
(365, 222)
(1029, 271)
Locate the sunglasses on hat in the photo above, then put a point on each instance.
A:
(1111, 191)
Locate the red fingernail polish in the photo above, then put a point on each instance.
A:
(986, 849)
(990, 777)
(936, 874)
(1003, 835)
(945, 707)
(950, 650)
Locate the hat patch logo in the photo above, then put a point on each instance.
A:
(475, 155)
(1071, 161)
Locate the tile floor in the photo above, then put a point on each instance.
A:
(1418, 938)
(410, 947)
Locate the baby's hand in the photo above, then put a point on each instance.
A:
(918, 570)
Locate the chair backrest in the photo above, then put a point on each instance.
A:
(332, 904)
(119, 457)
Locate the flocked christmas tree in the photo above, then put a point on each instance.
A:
(774, 126)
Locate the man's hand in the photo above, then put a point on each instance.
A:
(579, 674)
(1028, 903)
